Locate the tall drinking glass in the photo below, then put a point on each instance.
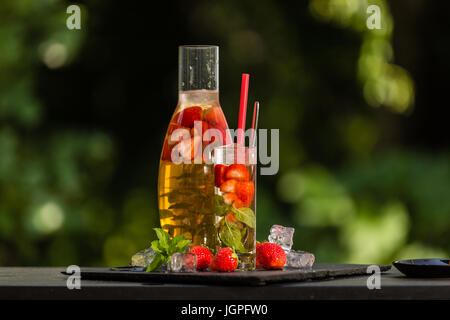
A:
(235, 198)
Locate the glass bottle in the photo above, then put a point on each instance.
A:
(186, 173)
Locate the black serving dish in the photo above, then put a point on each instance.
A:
(319, 271)
(424, 268)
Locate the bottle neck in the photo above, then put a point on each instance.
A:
(198, 68)
(198, 97)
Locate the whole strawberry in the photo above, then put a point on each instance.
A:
(271, 256)
(225, 260)
(204, 257)
(258, 246)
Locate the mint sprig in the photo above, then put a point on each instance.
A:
(165, 247)
(243, 214)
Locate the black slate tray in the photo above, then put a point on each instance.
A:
(320, 271)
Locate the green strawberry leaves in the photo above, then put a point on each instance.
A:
(165, 247)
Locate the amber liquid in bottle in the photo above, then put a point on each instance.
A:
(186, 184)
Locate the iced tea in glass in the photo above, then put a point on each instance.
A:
(235, 194)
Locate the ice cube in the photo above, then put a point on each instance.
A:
(299, 259)
(282, 236)
(143, 258)
(182, 262)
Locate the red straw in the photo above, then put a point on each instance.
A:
(243, 109)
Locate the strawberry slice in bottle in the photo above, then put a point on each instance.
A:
(187, 149)
(216, 119)
(174, 137)
(188, 116)
(166, 152)
(219, 174)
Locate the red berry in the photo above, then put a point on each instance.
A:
(216, 118)
(229, 186)
(271, 256)
(225, 137)
(232, 198)
(166, 152)
(187, 149)
(204, 257)
(225, 260)
(181, 134)
(219, 173)
(188, 116)
(238, 172)
(245, 191)
(258, 246)
(195, 131)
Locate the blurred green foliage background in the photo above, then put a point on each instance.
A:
(364, 162)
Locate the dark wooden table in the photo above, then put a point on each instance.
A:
(49, 283)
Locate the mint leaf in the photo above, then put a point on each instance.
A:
(156, 247)
(164, 214)
(178, 244)
(164, 238)
(178, 238)
(230, 235)
(221, 207)
(156, 263)
(180, 205)
(181, 246)
(245, 215)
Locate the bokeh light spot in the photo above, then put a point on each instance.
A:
(48, 218)
(55, 55)
(375, 234)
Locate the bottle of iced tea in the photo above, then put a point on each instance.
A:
(186, 173)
